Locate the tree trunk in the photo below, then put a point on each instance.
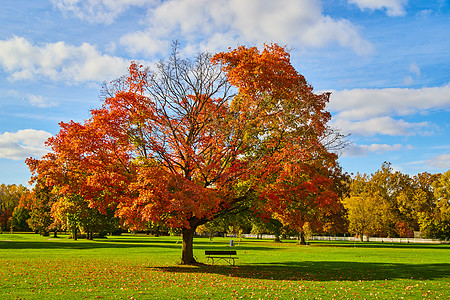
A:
(302, 240)
(75, 234)
(361, 237)
(55, 233)
(187, 249)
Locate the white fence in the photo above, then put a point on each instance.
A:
(377, 239)
(354, 239)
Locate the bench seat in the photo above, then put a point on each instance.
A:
(225, 255)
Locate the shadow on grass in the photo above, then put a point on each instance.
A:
(384, 245)
(79, 245)
(117, 243)
(322, 271)
(199, 243)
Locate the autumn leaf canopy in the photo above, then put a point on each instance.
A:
(188, 140)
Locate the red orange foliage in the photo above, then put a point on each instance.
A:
(195, 139)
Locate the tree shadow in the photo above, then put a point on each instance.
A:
(321, 271)
(151, 243)
(80, 245)
(199, 243)
(378, 245)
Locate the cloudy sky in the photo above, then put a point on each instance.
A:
(386, 62)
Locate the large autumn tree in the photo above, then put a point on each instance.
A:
(190, 140)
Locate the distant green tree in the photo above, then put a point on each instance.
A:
(237, 222)
(268, 226)
(40, 203)
(210, 229)
(20, 217)
(75, 215)
(157, 228)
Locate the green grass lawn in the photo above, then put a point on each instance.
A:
(140, 267)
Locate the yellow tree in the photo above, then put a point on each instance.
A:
(362, 212)
(441, 216)
(366, 210)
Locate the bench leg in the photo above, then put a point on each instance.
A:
(230, 260)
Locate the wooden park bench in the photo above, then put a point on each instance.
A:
(226, 255)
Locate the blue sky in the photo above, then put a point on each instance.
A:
(386, 62)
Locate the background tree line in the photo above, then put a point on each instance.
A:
(386, 203)
(389, 203)
(38, 210)
(12, 214)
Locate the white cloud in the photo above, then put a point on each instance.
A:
(13, 93)
(34, 100)
(23, 143)
(372, 111)
(364, 150)
(360, 104)
(381, 125)
(425, 13)
(299, 23)
(408, 80)
(39, 101)
(441, 161)
(393, 7)
(440, 147)
(146, 42)
(98, 11)
(414, 68)
(58, 61)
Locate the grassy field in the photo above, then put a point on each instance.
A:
(140, 267)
